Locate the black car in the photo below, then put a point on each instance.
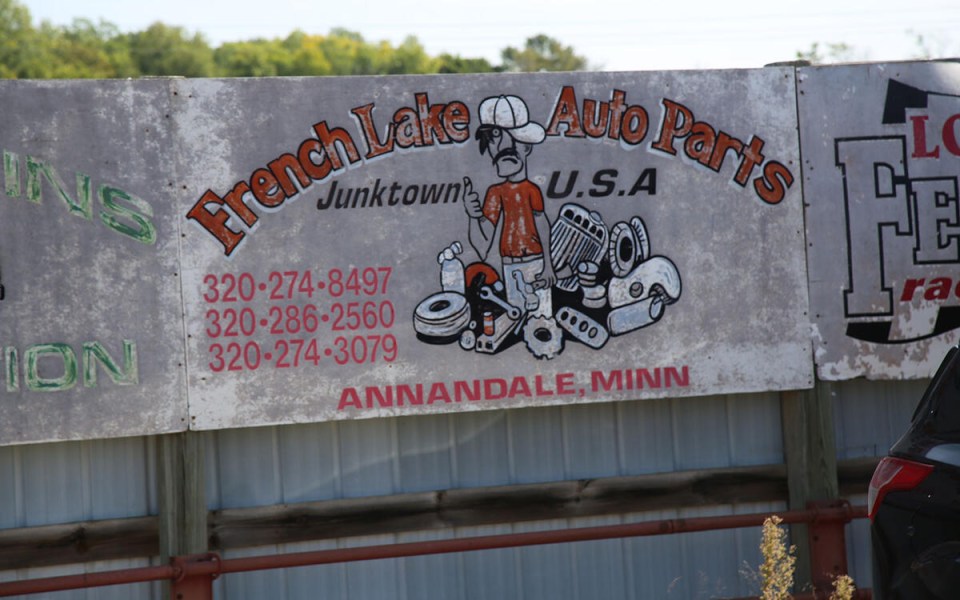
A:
(914, 499)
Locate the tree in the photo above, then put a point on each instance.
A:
(85, 49)
(450, 63)
(347, 53)
(255, 58)
(18, 57)
(168, 51)
(306, 55)
(408, 57)
(542, 53)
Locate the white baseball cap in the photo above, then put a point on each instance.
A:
(510, 114)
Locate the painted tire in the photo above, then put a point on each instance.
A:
(442, 315)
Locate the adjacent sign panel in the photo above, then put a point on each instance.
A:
(378, 246)
(881, 148)
(90, 315)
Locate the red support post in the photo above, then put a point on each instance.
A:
(828, 544)
(194, 576)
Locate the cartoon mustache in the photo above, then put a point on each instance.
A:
(512, 152)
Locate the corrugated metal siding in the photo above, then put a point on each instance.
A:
(362, 458)
(46, 484)
(348, 459)
(58, 483)
(139, 591)
(75, 481)
(870, 416)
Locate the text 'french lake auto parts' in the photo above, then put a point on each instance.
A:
(608, 284)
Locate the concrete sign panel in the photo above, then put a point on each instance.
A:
(91, 332)
(366, 247)
(881, 148)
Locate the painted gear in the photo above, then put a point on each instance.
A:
(543, 337)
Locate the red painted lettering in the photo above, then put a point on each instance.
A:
(216, 221)
(430, 121)
(439, 393)
(910, 287)
(920, 138)
(772, 187)
(494, 389)
(349, 398)
(331, 140)
(939, 289)
(565, 384)
(265, 188)
(677, 123)
(375, 146)
(565, 113)
(541, 391)
(950, 135)
(519, 387)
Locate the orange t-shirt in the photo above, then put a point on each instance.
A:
(517, 202)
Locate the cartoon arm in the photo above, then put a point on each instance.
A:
(547, 278)
(480, 231)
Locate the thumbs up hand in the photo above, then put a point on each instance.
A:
(471, 200)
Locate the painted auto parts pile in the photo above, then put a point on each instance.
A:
(608, 284)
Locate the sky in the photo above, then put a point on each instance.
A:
(614, 35)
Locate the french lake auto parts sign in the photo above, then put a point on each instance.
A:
(380, 246)
(91, 337)
(881, 147)
(221, 253)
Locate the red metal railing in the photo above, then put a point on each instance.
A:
(192, 576)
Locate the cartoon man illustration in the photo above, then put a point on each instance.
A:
(512, 211)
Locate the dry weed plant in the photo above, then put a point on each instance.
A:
(843, 588)
(779, 561)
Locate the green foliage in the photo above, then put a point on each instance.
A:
(258, 58)
(449, 63)
(17, 41)
(163, 50)
(542, 53)
(85, 49)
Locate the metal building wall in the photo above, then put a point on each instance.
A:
(252, 467)
(58, 483)
(45, 484)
